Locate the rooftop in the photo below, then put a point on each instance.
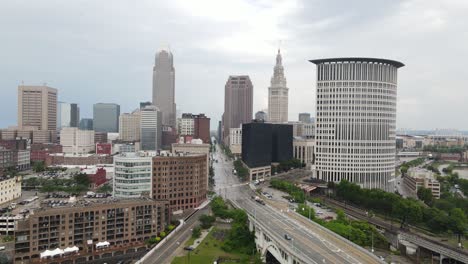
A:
(360, 59)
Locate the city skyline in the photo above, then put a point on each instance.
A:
(103, 64)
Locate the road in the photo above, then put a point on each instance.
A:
(165, 253)
(307, 238)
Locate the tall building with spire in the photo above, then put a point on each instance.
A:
(278, 94)
(164, 87)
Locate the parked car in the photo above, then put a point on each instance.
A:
(287, 237)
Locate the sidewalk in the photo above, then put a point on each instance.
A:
(197, 241)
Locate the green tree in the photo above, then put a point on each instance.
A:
(196, 232)
(207, 221)
(425, 195)
(82, 179)
(404, 169)
(458, 222)
(39, 166)
(106, 188)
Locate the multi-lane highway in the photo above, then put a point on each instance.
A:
(317, 245)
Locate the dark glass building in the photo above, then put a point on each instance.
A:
(106, 117)
(264, 143)
(86, 124)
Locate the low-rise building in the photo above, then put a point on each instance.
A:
(77, 159)
(303, 150)
(23, 159)
(96, 176)
(88, 229)
(39, 151)
(76, 141)
(417, 177)
(10, 189)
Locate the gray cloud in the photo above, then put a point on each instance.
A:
(103, 51)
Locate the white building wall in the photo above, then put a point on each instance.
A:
(10, 189)
(355, 121)
(129, 126)
(132, 175)
(235, 140)
(76, 141)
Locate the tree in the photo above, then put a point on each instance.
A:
(196, 232)
(82, 179)
(207, 221)
(106, 188)
(458, 222)
(404, 169)
(39, 166)
(425, 195)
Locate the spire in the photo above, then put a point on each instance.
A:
(278, 78)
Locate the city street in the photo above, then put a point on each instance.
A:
(166, 252)
(307, 239)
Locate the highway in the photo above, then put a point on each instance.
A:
(307, 239)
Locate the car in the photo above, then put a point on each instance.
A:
(189, 248)
(287, 237)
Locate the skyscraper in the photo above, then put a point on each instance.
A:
(150, 128)
(86, 124)
(37, 107)
(68, 115)
(304, 117)
(278, 94)
(164, 87)
(355, 120)
(238, 103)
(129, 126)
(106, 117)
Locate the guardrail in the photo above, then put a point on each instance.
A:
(303, 258)
(336, 236)
(434, 247)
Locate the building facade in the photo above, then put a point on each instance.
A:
(10, 189)
(197, 126)
(164, 87)
(106, 117)
(235, 140)
(86, 124)
(150, 128)
(181, 179)
(129, 126)
(355, 120)
(238, 103)
(75, 141)
(37, 107)
(278, 94)
(417, 178)
(132, 175)
(68, 115)
(303, 150)
(304, 117)
(73, 229)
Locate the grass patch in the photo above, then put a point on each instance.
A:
(210, 250)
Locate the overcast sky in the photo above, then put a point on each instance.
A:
(103, 51)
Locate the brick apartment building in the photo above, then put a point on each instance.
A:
(180, 179)
(89, 230)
